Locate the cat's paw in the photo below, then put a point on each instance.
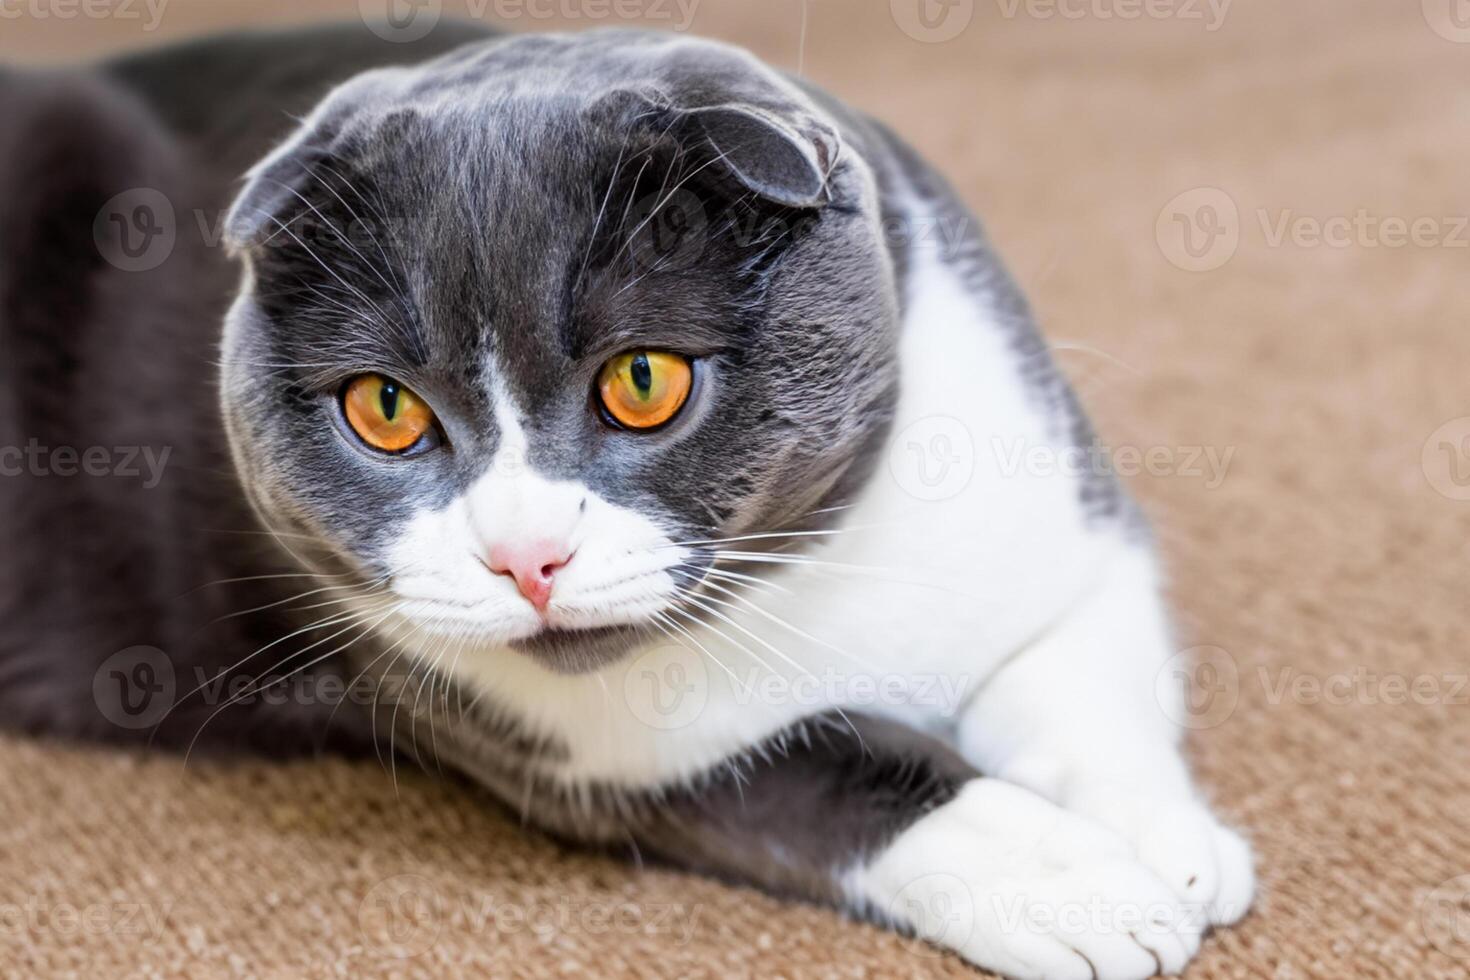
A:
(1017, 885)
(1209, 865)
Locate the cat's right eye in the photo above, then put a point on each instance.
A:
(385, 415)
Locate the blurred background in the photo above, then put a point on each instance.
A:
(1243, 226)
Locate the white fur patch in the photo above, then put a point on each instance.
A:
(1020, 886)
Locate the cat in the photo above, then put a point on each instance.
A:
(625, 412)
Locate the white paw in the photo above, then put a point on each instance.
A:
(1206, 863)
(1020, 886)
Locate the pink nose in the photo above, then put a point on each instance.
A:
(532, 564)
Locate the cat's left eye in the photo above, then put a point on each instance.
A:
(385, 415)
(644, 389)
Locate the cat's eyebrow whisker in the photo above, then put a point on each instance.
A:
(342, 236)
(378, 214)
(330, 271)
(597, 223)
(663, 199)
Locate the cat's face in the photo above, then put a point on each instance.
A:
(514, 351)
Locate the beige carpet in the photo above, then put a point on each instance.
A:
(1329, 552)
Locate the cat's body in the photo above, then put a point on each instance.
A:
(789, 630)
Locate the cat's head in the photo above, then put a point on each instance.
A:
(527, 329)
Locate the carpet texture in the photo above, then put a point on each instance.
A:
(1325, 360)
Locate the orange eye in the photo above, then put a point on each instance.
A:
(384, 414)
(644, 389)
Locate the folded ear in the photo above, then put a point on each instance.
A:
(764, 130)
(270, 190)
(274, 186)
(769, 156)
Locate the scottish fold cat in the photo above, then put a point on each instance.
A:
(625, 412)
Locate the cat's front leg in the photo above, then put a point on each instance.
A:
(893, 825)
(1081, 718)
